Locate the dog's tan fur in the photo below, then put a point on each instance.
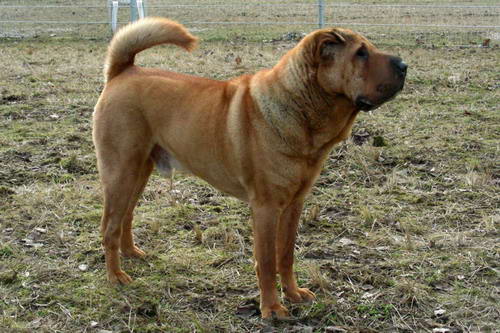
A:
(262, 138)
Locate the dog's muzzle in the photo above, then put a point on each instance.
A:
(386, 91)
(364, 104)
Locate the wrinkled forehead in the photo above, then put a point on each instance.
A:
(353, 38)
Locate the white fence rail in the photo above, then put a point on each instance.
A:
(442, 23)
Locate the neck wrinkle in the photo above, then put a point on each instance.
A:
(298, 78)
(294, 105)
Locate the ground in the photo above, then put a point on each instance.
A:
(399, 234)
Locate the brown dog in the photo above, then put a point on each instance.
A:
(262, 138)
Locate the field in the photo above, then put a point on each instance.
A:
(396, 22)
(400, 232)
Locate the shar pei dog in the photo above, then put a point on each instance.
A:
(262, 138)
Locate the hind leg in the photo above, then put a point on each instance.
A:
(121, 185)
(124, 168)
(127, 245)
(123, 142)
(161, 158)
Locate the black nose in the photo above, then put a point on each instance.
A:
(399, 66)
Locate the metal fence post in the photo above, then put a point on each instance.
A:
(134, 15)
(137, 9)
(113, 14)
(141, 8)
(321, 13)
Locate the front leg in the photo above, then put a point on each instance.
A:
(285, 244)
(265, 221)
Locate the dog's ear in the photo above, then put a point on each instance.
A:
(327, 44)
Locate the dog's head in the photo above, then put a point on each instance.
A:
(346, 63)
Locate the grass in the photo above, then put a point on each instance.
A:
(403, 221)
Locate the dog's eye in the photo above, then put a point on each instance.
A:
(362, 53)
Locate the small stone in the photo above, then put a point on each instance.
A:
(346, 241)
(439, 312)
(334, 329)
(441, 330)
(29, 242)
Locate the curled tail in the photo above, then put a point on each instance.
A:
(141, 35)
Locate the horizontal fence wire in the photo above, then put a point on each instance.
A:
(438, 24)
(263, 5)
(283, 22)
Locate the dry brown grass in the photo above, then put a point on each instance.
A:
(390, 234)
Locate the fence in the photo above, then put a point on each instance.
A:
(441, 23)
(137, 11)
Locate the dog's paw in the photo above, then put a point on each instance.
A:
(119, 277)
(133, 252)
(277, 311)
(300, 295)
